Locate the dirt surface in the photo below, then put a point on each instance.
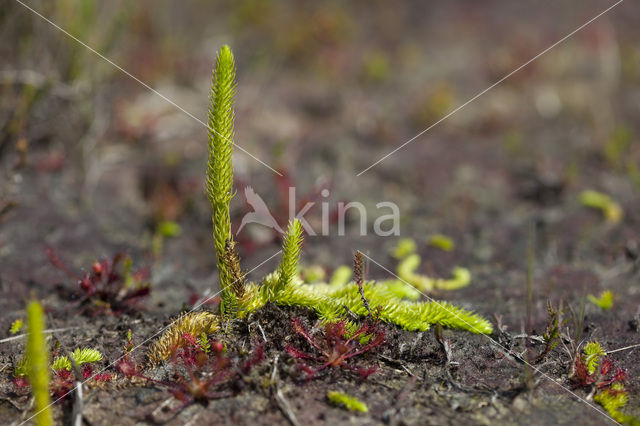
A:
(91, 163)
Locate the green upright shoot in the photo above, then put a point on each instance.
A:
(288, 268)
(220, 167)
(37, 355)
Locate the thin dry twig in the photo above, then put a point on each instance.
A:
(278, 396)
(49, 331)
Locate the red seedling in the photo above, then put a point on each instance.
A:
(207, 371)
(63, 380)
(338, 347)
(110, 287)
(600, 378)
(201, 371)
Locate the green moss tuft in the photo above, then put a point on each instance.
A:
(592, 354)
(442, 242)
(406, 271)
(604, 301)
(613, 400)
(611, 210)
(16, 326)
(80, 356)
(347, 401)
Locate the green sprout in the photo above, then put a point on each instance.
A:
(442, 242)
(613, 400)
(16, 326)
(611, 210)
(165, 229)
(404, 248)
(37, 363)
(219, 180)
(406, 272)
(203, 341)
(313, 273)
(290, 256)
(341, 276)
(604, 301)
(80, 356)
(592, 354)
(347, 401)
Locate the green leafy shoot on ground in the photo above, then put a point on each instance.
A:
(442, 242)
(613, 400)
(37, 364)
(340, 277)
(592, 354)
(165, 229)
(404, 248)
(203, 341)
(406, 271)
(290, 256)
(219, 179)
(16, 326)
(616, 148)
(81, 356)
(551, 335)
(347, 401)
(604, 301)
(410, 261)
(397, 302)
(313, 273)
(611, 210)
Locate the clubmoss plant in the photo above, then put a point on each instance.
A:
(313, 274)
(442, 242)
(347, 401)
(393, 300)
(592, 354)
(596, 372)
(611, 210)
(219, 180)
(37, 356)
(613, 401)
(290, 257)
(604, 301)
(16, 326)
(194, 324)
(340, 277)
(408, 266)
(410, 261)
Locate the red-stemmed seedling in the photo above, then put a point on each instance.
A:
(109, 287)
(338, 347)
(201, 371)
(601, 378)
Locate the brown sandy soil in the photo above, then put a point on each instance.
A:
(91, 163)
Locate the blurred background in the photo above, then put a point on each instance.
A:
(93, 163)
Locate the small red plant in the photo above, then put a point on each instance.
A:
(338, 347)
(601, 377)
(110, 287)
(63, 380)
(201, 371)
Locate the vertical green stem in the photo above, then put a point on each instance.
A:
(220, 166)
(38, 364)
(290, 256)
